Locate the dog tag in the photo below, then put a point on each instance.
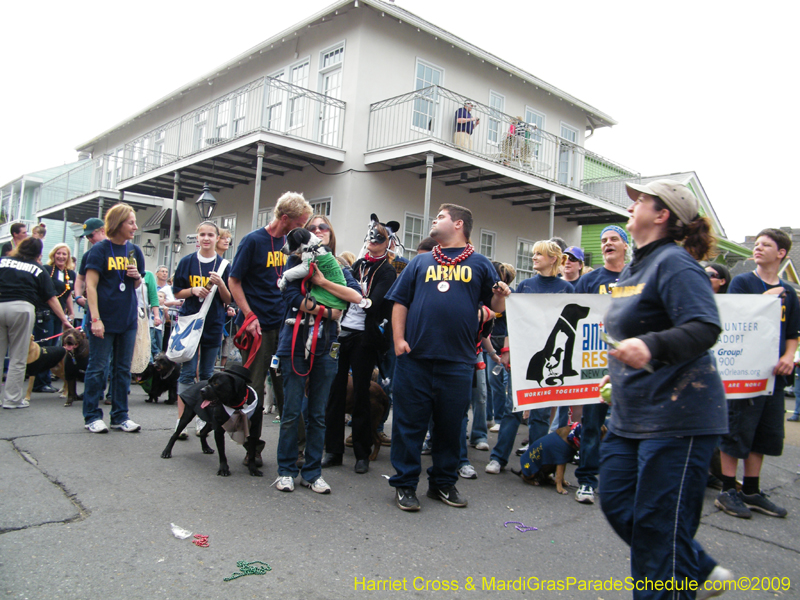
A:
(443, 286)
(335, 350)
(121, 287)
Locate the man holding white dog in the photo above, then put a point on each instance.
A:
(434, 322)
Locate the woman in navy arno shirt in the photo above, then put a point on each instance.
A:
(669, 404)
(194, 272)
(111, 283)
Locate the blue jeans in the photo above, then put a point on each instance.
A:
(40, 332)
(156, 341)
(797, 391)
(538, 423)
(498, 384)
(423, 389)
(97, 372)
(594, 415)
(320, 380)
(207, 355)
(652, 496)
(480, 432)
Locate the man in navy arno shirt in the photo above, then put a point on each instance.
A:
(434, 321)
(756, 424)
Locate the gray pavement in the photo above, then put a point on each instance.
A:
(85, 516)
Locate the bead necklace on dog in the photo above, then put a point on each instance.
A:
(440, 258)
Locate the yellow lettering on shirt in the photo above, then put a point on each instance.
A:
(198, 281)
(276, 259)
(448, 273)
(602, 289)
(117, 263)
(627, 290)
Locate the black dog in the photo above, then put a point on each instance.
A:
(553, 363)
(209, 401)
(163, 375)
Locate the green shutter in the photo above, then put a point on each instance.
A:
(590, 242)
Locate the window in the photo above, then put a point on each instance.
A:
(109, 177)
(239, 113)
(200, 124)
(566, 155)
(425, 106)
(534, 117)
(158, 147)
(298, 75)
(223, 115)
(321, 207)
(524, 259)
(228, 222)
(415, 232)
(140, 156)
(274, 103)
(119, 165)
(330, 85)
(488, 243)
(331, 58)
(497, 103)
(264, 217)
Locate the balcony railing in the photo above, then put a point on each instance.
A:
(266, 104)
(5, 228)
(430, 114)
(72, 184)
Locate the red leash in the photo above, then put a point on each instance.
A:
(249, 342)
(320, 312)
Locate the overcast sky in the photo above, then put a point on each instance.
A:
(694, 85)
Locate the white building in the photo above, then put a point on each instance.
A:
(355, 107)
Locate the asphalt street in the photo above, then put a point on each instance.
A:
(87, 516)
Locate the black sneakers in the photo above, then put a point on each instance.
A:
(406, 499)
(731, 503)
(448, 495)
(760, 502)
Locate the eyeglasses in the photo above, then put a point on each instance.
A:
(320, 227)
(571, 258)
(713, 275)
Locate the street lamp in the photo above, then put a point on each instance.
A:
(148, 248)
(177, 246)
(206, 204)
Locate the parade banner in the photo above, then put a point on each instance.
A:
(558, 356)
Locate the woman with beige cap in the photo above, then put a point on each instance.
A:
(669, 402)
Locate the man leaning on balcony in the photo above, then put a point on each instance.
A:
(465, 123)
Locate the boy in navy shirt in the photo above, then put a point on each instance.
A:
(434, 320)
(756, 424)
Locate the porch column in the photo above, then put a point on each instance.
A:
(121, 196)
(100, 208)
(176, 186)
(257, 193)
(21, 199)
(64, 230)
(552, 214)
(426, 214)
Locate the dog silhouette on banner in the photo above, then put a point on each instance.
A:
(553, 363)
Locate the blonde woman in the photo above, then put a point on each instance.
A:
(547, 259)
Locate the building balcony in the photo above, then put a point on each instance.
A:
(5, 228)
(216, 143)
(502, 156)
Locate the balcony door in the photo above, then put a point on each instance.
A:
(567, 155)
(330, 85)
(426, 103)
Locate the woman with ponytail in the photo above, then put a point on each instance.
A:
(669, 402)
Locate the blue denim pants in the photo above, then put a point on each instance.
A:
(652, 496)
(480, 432)
(156, 341)
(48, 328)
(207, 357)
(97, 372)
(320, 380)
(594, 416)
(500, 386)
(538, 424)
(423, 389)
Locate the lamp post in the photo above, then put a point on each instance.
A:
(177, 246)
(206, 204)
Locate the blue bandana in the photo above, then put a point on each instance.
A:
(616, 229)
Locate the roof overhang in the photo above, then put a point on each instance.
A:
(94, 204)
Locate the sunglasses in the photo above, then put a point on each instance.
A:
(713, 275)
(571, 258)
(320, 227)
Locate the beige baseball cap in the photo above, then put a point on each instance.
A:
(679, 199)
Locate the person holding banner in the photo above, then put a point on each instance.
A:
(756, 424)
(668, 398)
(547, 260)
(614, 247)
(433, 322)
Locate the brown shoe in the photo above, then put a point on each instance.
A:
(349, 441)
(385, 439)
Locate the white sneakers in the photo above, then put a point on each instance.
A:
(467, 472)
(585, 495)
(284, 484)
(198, 426)
(97, 426)
(320, 485)
(482, 446)
(126, 426)
(493, 467)
(21, 404)
(718, 574)
(495, 428)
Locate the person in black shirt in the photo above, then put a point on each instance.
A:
(19, 232)
(23, 283)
